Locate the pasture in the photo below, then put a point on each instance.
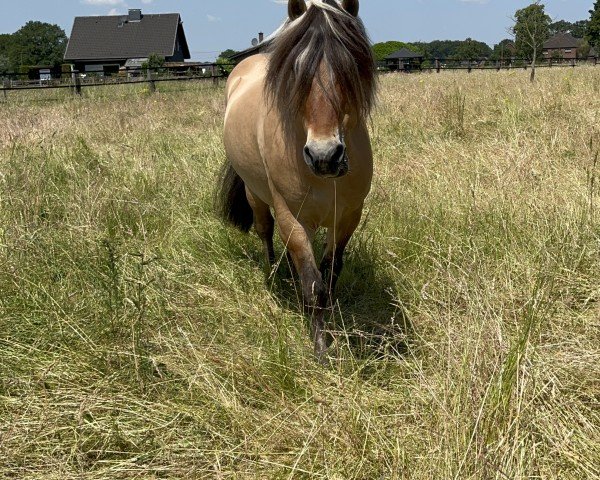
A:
(139, 337)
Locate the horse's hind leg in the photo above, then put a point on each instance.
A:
(337, 239)
(264, 225)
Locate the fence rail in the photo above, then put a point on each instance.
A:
(441, 64)
(76, 81)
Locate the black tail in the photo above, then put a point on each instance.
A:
(231, 201)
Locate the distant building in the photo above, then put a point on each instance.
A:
(404, 60)
(108, 43)
(259, 45)
(562, 46)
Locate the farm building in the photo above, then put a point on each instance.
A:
(258, 46)
(106, 44)
(562, 46)
(404, 60)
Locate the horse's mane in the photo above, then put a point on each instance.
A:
(326, 34)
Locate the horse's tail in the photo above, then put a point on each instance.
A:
(232, 203)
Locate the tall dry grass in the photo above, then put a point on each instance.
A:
(139, 338)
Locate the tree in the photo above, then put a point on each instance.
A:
(560, 26)
(531, 30)
(472, 50)
(505, 50)
(577, 29)
(382, 50)
(5, 43)
(225, 54)
(37, 43)
(593, 28)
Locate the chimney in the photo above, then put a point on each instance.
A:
(261, 37)
(135, 15)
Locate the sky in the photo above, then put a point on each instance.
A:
(212, 26)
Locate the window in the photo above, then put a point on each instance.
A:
(568, 50)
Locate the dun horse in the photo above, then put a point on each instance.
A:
(297, 142)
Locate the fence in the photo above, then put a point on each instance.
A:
(76, 81)
(439, 64)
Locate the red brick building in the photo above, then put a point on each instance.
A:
(562, 46)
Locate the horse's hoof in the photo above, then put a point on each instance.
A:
(321, 352)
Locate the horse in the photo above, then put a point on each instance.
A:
(297, 143)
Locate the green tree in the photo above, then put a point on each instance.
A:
(383, 49)
(472, 50)
(226, 65)
(531, 30)
(584, 49)
(579, 28)
(593, 28)
(504, 50)
(5, 43)
(225, 54)
(37, 43)
(560, 26)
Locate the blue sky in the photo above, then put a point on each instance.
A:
(215, 25)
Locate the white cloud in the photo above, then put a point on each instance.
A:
(114, 11)
(103, 2)
(212, 18)
(481, 2)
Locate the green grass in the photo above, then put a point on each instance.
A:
(139, 337)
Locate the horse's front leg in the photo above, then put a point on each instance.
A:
(337, 240)
(298, 241)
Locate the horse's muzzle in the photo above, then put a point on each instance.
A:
(328, 160)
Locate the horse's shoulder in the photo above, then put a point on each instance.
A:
(254, 65)
(248, 71)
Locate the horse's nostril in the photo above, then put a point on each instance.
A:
(339, 153)
(308, 155)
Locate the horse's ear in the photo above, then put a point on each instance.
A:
(296, 8)
(351, 6)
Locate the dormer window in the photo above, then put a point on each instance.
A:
(135, 15)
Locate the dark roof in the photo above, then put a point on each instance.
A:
(562, 40)
(114, 37)
(250, 51)
(404, 53)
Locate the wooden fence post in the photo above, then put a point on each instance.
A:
(213, 74)
(6, 85)
(573, 63)
(152, 83)
(437, 65)
(77, 84)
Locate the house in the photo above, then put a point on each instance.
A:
(259, 45)
(108, 43)
(562, 46)
(404, 60)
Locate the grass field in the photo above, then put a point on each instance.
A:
(139, 337)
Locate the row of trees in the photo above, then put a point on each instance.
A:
(532, 27)
(36, 43)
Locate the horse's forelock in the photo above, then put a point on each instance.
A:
(326, 34)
